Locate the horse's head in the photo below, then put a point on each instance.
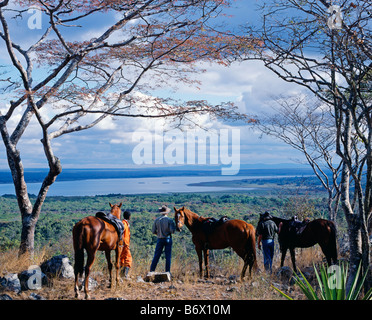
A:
(179, 217)
(115, 210)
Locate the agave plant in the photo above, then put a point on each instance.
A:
(332, 284)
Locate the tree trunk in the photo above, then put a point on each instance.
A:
(351, 218)
(24, 203)
(355, 245)
(29, 213)
(366, 258)
(27, 245)
(29, 220)
(333, 204)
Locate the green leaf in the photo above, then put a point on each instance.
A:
(368, 295)
(282, 293)
(322, 291)
(305, 286)
(330, 292)
(355, 289)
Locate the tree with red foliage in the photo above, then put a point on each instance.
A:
(78, 81)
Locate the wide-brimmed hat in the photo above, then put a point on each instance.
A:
(164, 209)
(267, 215)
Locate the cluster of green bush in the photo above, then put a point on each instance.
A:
(61, 213)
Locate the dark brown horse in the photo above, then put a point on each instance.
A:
(92, 234)
(233, 233)
(318, 231)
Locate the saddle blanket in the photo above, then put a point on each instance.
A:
(209, 225)
(117, 223)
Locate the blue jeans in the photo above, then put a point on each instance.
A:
(268, 253)
(166, 244)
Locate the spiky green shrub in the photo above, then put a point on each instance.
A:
(332, 285)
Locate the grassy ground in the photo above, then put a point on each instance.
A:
(224, 283)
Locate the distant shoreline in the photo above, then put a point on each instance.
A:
(261, 182)
(79, 184)
(37, 175)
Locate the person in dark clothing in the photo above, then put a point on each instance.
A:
(163, 228)
(265, 231)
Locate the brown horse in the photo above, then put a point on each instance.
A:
(92, 234)
(233, 233)
(318, 231)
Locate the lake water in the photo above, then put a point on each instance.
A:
(94, 187)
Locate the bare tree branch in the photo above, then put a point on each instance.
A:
(82, 82)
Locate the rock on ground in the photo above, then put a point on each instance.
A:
(158, 277)
(58, 266)
(32, 279)
(11, 282)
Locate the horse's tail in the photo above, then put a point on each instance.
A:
(250, 247)
(78, 239)
(333, 242)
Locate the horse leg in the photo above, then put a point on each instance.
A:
(78, 241)
(327, 254)
(117, 263)
(293, 257)
(249, 257)
(284, 252)
(90, 260)
(242, 275)
(206, 262)
(76, 289)
(249, 260)
(245, 256)
(199, 253)
(109, 265)
(78, 270)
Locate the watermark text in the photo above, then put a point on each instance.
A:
(190, 147)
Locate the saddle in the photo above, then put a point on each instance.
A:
(117, 223)
(297, 227)
(209, 225)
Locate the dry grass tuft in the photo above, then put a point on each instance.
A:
(224, 283)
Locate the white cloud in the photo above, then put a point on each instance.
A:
(110, 143)
(250, 85)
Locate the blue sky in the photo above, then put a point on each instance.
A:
(110, 145)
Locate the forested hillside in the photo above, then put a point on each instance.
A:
(61, 213)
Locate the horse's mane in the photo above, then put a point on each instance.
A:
(200, 218)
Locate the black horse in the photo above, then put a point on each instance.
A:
(318, 231)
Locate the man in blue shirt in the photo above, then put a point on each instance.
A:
(163, 227)
(265, 231)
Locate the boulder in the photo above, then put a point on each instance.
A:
(92, 283)
(32, 279)
(309, 273)
(34, 296)
(59, 266)
(284, 274)
(156, 277)
(11, 282)
(5, 297)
